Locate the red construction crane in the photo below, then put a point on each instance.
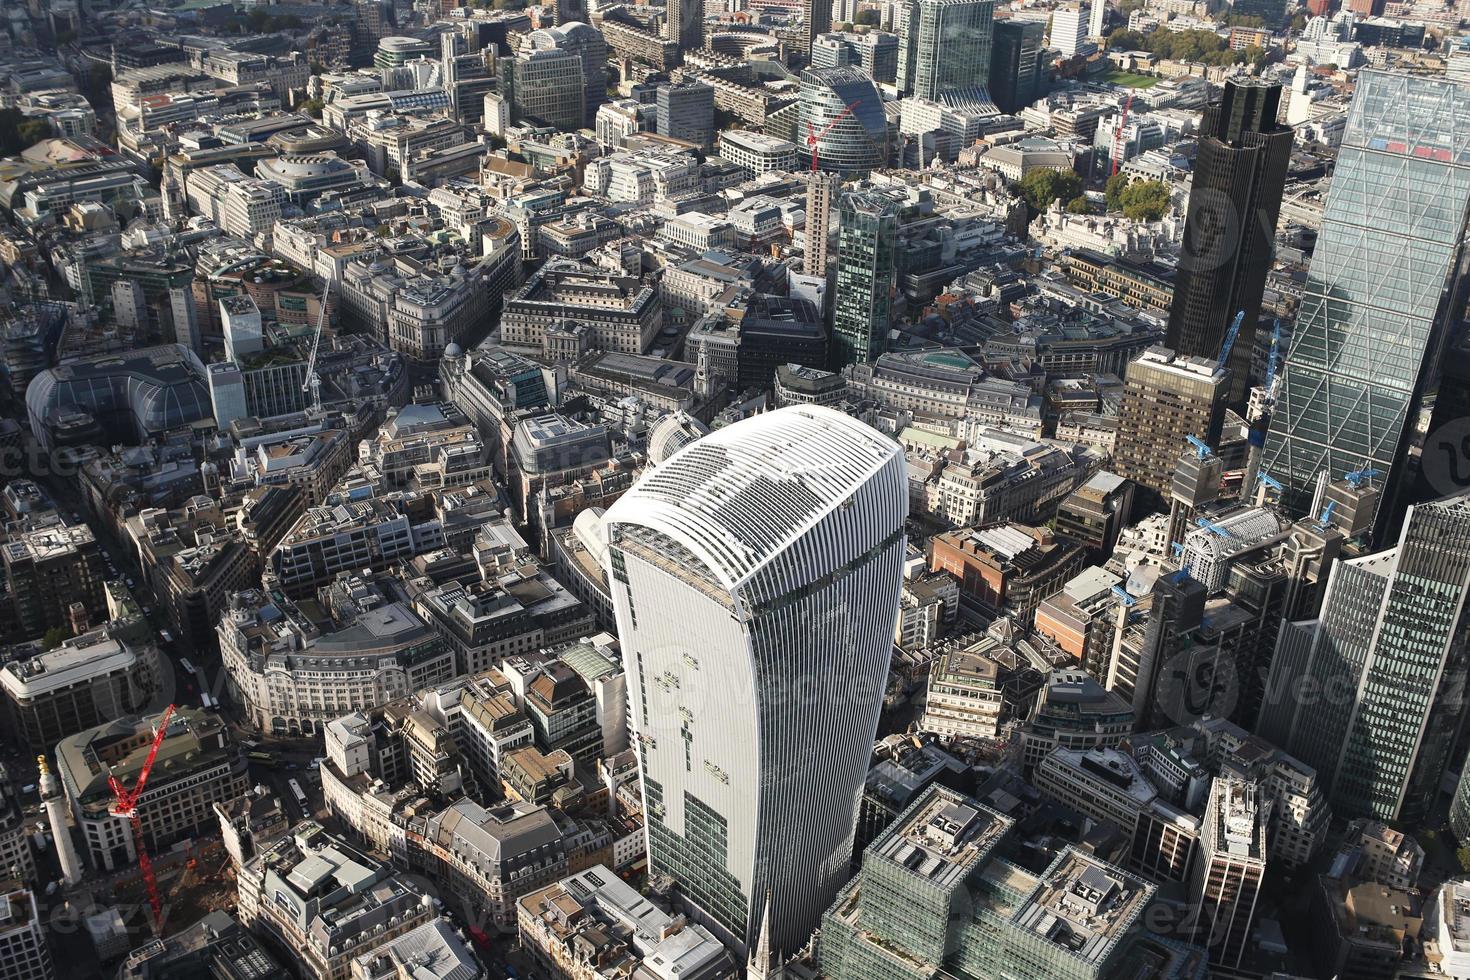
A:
(1118, 133)
(812, 136)
(125, 804)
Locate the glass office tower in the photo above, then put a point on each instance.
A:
(755, 575)
(867, 233)
(1229, 232)
(1370, 694)
(944, 47)
(841, 107)
(1382, 290)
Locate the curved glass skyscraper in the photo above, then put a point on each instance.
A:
(755, 577)
(842, 108)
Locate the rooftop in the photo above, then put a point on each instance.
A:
(942, 837)
(1085, 906)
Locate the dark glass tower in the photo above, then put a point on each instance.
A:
(1017, 64)
(1230, 228)
(866, 271)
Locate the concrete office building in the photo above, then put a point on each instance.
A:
(1168, 398)
(84, 682)
(686, 111)
(1229, 871)
(684, 25)
(198, 765)
(816, 19)
(821, 193)
(757, 153)
(1069, 29)
(741, 802)
(24, 954)
(48, 567)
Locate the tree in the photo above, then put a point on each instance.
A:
(33, 131)
(866, 18)
(1079, 205)
(1122, 39)
(19, 132)
(312, 107)
(1043, 185)
(1113, 191)
(1463, 854)
(54, 637)
(1145, 200)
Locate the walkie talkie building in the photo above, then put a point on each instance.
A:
(756, 577)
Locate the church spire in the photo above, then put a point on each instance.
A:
(762, 965)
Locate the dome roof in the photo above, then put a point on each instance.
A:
(672, 433)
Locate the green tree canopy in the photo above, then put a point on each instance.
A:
(1144, 200)
(1079, 205)
(1202, 46)
(1043, 185)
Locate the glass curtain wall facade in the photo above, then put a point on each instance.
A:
(944, 47)
(1371, 693)
(867, 234)
(842, 108)
(755, 577)
(1230, 230)
(1385, 281)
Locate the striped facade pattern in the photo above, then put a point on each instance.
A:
(756, 578)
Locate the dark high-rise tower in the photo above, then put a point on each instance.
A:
(1234, 201)
(1018, 64)
(816, 18)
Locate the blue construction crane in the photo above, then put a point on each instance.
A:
(1270, 481)
(1357, 478)
(1230, 336)
(1212, 527)
(1201, 448)
(1273, 362)
(1326, 517)
(1125, 597)
(1178, 548)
